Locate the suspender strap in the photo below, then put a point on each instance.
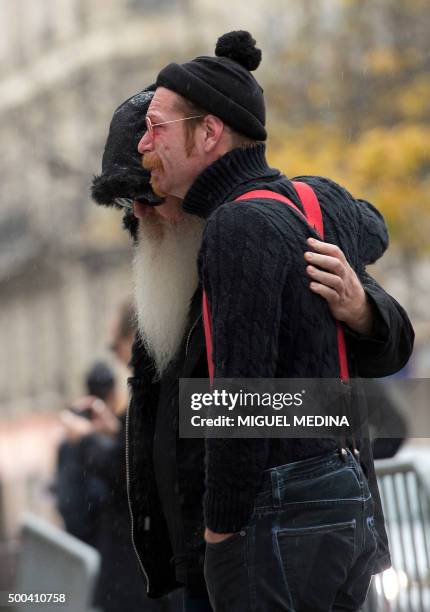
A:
(341, 350)
(313, 217)
(309, 200)
(264, 194)
(311, 205)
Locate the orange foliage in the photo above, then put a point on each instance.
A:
(388, 166)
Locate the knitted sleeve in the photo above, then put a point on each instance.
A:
(357, 217)
(390, 345)
(243, 265)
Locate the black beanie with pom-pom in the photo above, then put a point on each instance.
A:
(223, 85)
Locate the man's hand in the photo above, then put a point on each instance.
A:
(75, 427)
(211, 537)
(78, 423)
(103, 419)
(338, 283)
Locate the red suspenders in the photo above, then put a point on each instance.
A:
(313, 217)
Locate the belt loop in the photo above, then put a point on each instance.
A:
(276, 493)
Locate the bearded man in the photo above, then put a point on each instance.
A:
(168, 302)
(197, 164)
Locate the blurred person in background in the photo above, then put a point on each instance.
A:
(170, 343)
(387, 424)
(80, 496)
(97, 433)
(122, 333)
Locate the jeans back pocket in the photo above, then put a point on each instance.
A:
(315, 561)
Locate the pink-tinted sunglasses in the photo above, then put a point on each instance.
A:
(150, 126)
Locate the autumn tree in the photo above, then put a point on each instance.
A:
(351, 101)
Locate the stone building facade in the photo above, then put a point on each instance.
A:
(64, 264)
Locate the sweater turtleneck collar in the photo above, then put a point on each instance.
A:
(223, 177)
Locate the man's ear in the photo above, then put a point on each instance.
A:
(213, 131)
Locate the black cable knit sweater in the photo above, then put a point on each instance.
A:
(266, 321)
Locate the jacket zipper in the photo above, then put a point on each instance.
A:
(127, 471)
(190, 332)
(127, 468)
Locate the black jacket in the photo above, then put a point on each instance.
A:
(80, 495)
(266, 323)
(120, 585)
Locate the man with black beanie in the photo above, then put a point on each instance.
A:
(252, 258)
(266, 549)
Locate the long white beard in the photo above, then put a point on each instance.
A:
(165, 279)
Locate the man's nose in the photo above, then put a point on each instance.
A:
(145, 144)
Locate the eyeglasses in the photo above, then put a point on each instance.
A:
(126, 203)
(150, 126)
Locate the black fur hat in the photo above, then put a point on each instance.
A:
(122, 173)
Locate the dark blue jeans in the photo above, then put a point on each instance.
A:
(309, 545)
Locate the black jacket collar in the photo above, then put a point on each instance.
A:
(220, 180)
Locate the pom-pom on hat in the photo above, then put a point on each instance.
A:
(223, 85)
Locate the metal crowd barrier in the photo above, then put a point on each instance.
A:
(406, 503)
(52, 562)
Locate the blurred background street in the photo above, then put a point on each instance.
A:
(347, 86)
